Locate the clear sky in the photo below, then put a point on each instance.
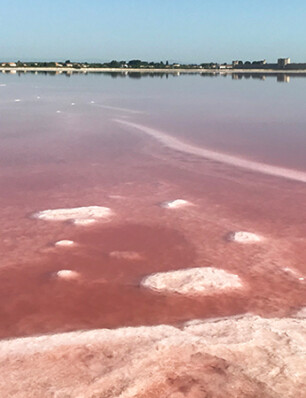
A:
(174, 30)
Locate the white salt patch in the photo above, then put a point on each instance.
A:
(192, 281)
(2, 85)
(64, 243)
(92, 102)
(78, 215)
(72, 103)
(17, 100)
(245, 237)
(67, 274)
(85, 221)
(176, 204)
(58, 111)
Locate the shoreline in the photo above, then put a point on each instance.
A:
(150, 70)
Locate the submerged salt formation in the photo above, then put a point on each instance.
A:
(192, 281)
(244, 237)
(78, 215)
(125, 255)
(245, 357)
(175, 204)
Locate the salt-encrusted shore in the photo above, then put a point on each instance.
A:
(78, 215)
(192, 281)
(243, 356)
(236, 161)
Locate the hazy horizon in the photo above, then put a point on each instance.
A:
(180, 31)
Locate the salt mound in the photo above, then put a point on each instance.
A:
(67, 274)
(192, 281)
(126, 255)
(245, 237)
(17, 100)
(176, 204)
(79, 215)
(65, 243)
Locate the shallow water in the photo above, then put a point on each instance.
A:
(61, 147)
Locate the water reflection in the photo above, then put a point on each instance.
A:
(280, 77)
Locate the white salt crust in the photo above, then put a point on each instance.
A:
(67, 274)
(192, 281)
(64, 243)
(78, 215)
(176, 204)
(246, 356)
(245, 237)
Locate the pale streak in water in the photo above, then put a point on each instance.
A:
(181, 146)
(115, 108)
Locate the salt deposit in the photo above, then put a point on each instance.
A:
(78, 215)
(243, 357)
(192, 281)
(176, 204)
(64, 243)
(17, 100)
(244, 237)
(67, 274)
(58, 111)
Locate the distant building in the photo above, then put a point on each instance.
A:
(237, 62)
(225, 66)
(283, 62)
(12, 64)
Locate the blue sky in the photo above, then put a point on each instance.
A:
(175, 30)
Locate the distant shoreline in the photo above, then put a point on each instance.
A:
(149, 70)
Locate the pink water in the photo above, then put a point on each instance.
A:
(80, 156)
